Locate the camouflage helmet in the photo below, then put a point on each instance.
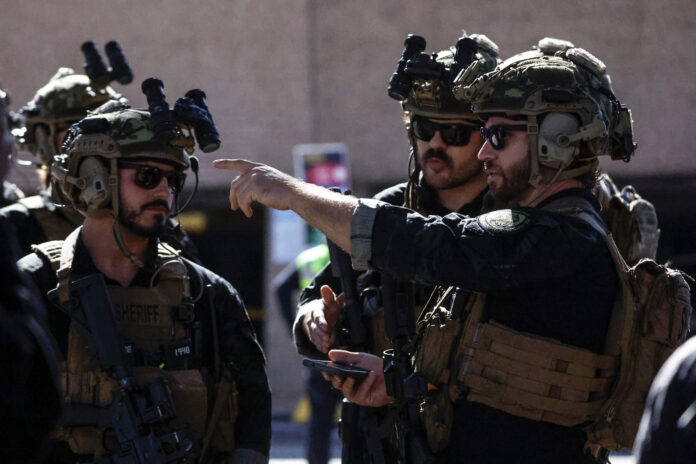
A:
(86, 171)
(565, 95)
(423, 83)
(64, 100)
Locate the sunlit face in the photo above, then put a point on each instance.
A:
(144, 211)
(507, 169)
(449, 166)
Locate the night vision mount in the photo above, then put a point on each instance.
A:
(96, 70)
(190, 112)
(426, 81)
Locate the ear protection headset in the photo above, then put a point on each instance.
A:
(560, 135)
(93, 184)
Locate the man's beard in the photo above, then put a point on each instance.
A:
(459, 177)
(514, 183)
(127, 218)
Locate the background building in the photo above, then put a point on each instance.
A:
(306, 71)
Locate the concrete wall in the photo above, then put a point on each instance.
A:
(646, 45)
(281, 73)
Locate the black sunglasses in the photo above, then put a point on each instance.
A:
(148, 177)
(455, 134)
(497, 134)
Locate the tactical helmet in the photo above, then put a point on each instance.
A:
(572, 114)
(86, 172)
(423, 83)
(64, 100)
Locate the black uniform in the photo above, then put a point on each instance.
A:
(58, 222)
(544, 273)
(29, 398)
(667, 433)
(238, 345)
(395, 196)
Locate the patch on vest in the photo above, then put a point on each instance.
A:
(504, 221)
(148, 314)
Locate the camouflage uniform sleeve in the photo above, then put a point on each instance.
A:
(241, 352)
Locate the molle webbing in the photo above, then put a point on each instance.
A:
(534, 377)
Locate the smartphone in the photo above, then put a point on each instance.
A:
(336, 368)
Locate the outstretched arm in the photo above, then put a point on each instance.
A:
(328, 211)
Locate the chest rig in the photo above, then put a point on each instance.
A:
(522, 374)
(157, 322)
(162, 338)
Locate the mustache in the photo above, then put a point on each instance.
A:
(159, 202)
(437, 154)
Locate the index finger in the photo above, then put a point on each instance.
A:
(240, 165)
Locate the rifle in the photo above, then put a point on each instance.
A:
(139, 416)
(359, 425)
(407, 440)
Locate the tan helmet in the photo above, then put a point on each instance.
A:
(63, 101)
(565, 95)
(423, 83)
(86, 172)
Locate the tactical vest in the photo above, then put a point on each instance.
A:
(56, 225)
(157, 323)
(522, 374)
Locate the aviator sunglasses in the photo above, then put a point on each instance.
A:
(148, 177)
(497, 134)
(452, 134)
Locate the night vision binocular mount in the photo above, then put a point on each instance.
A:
(190, 113)
(96, 70)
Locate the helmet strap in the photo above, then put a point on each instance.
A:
(122, 245)
(535, 176)
(113, 185)
(115, 205)
(411, 199)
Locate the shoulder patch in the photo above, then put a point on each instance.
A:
(504, 221)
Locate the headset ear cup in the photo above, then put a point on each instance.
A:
(552, 150)
(93, 183)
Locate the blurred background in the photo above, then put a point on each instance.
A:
(282, 73)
